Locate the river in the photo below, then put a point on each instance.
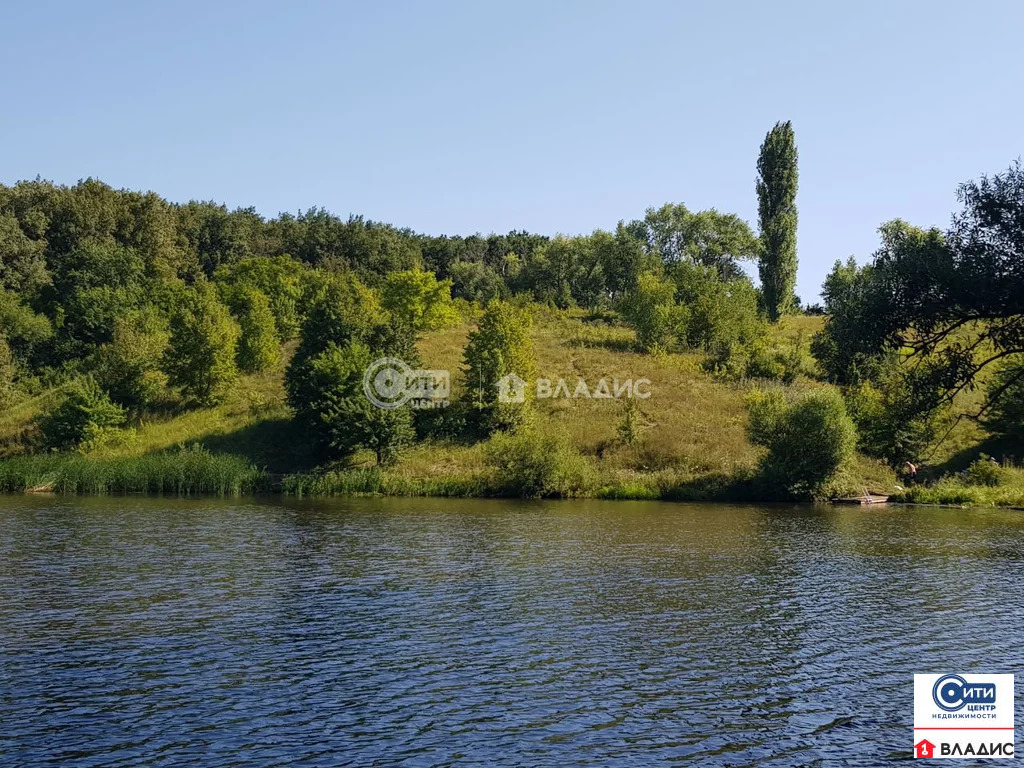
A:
(430, 632)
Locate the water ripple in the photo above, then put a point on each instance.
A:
(440, 633)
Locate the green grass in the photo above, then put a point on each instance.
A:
(953, 489)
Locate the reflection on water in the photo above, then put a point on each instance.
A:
(433, 632)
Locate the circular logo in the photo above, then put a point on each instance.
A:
(948, 692)
(386, 383)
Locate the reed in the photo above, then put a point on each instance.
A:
(378, 482)
(181, 473)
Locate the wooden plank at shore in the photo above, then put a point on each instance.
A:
(862, 500)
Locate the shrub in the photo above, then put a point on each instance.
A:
(718, 312)
(776, 364)
(445, 423)
(984, 471)
(81, 419)
(808, 440)
(628, 430)
(532, 464)
(204, 340)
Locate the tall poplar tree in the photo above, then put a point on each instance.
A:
(776, 209)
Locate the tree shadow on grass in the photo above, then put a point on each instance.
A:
(276, 445)
(613, 344)
(741, 486)
(1000, 448)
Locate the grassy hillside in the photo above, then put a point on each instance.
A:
(692, 433)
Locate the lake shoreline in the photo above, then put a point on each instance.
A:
(201, 473)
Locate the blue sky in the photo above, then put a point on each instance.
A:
(550, 116)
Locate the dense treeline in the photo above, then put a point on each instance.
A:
(78, 263)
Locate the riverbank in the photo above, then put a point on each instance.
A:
(197, 472)
(690, 442)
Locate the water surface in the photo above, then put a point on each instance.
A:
(432, 633)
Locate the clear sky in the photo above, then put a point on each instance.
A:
(552, 116)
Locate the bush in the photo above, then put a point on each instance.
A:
(81, 419)
(718, 312)
(444, 423)
(808, 441)
(984, 471)
(628, 429)
(532, 464)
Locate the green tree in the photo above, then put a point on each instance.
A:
(129, 367)
(476, 282)
(82, 417)
(652, 312)
(418, 299)
(777, 216)
(24, 330)
(706, 238)
(203, 345)
(340, 310)
(6, 373)
(1005, 415)
(258, 345)
(327, 395)
(890, 425)
(500, 347)
(818, 419)
(280, 278)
